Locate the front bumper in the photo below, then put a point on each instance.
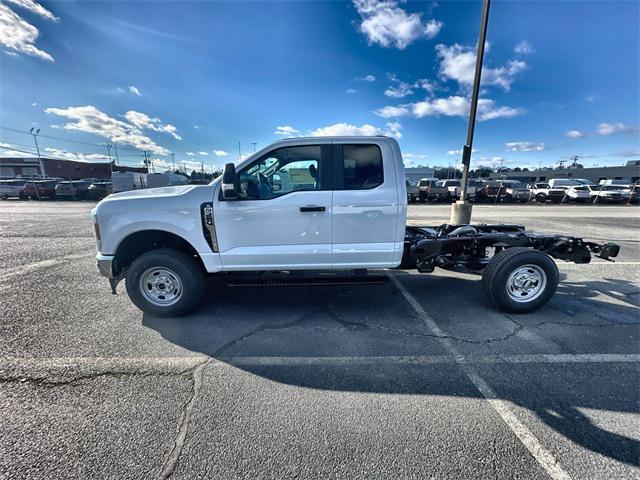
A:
(105, 265)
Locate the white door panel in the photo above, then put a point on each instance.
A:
(274, 233)
(365, 222)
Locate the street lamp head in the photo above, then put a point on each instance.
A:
(37, 131)
(31, 131)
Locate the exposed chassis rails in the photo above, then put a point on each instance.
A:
(469, 246)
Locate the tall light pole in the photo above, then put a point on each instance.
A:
(35, 139)
(254, 145)
(115, 148)
(461, 210)
(173, 162)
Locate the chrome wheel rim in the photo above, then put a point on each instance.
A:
(161, 286)
(526, 283)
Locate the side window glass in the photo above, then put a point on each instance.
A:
(362, 167)
(282, 171)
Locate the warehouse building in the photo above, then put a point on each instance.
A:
(630, 171)
(53, 167)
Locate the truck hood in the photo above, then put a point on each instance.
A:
(160, 192)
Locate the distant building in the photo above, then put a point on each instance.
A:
(68, 169)
(630, 171)
(414, 174)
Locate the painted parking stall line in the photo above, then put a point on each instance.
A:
(528, 439)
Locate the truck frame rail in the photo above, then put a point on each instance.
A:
(468, 246)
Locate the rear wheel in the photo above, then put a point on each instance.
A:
(541, 198)
(165, 282)
(520, 280)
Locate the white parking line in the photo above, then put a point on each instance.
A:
(21, 270)
(528, 439)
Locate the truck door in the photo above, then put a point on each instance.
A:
(365, 206)
(283, 218)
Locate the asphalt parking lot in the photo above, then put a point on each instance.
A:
(415, 378)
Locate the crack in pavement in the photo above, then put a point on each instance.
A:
(51, 383)
(173, 458)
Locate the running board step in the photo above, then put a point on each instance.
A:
(295, 282)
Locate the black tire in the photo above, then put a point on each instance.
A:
(185, 268)
(541, 198)
(495, 279)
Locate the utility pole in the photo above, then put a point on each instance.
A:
(239, 152)
(109, 154)
(35, 139)
(173, 162)
(115, 147)
(254, 146)
(461, 210)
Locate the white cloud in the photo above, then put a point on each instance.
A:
(35, 7)
(524, 146)
(203, 154)
(490, 161)
(220, 153)
(574, 133)
(18, 35)
(351, 91)
(366, 78)
(458, 63)
(197, 127)
(191, 154)
(391, 111)
(142, 120)
(385, 23)
(450, 106)
(427, 85)
(401, 90)
(347, 130)
(459, 152)
(523, 48)
(34, 104)
(286, 130)
(134, 90)
(613, 128)
(91, 120)
(80, 157)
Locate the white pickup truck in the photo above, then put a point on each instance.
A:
(331, 204)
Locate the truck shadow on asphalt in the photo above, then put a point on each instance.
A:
(322, 337)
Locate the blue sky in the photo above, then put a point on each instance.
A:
(194, 78)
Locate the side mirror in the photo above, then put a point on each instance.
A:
(230, 185)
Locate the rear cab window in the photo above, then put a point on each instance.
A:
(362, 167)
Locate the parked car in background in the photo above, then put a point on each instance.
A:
(41, 189)
(433, 189)
(506, 191)
(99, 190)
(578, 194)
(12, 188)
(73, 190)
(564, 182)
(543, 193)
(455, 189)
(606, 194)
(630, 192)
(413, 192)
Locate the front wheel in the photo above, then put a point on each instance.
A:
(165, 282)
(520, 280)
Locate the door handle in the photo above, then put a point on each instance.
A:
(312, 208)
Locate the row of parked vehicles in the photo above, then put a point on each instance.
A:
(55, 188)
(559, 190)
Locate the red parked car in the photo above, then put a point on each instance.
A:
(39, 189)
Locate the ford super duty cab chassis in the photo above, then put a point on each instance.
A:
(317, 204)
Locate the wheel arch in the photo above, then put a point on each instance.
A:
(143, 241)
